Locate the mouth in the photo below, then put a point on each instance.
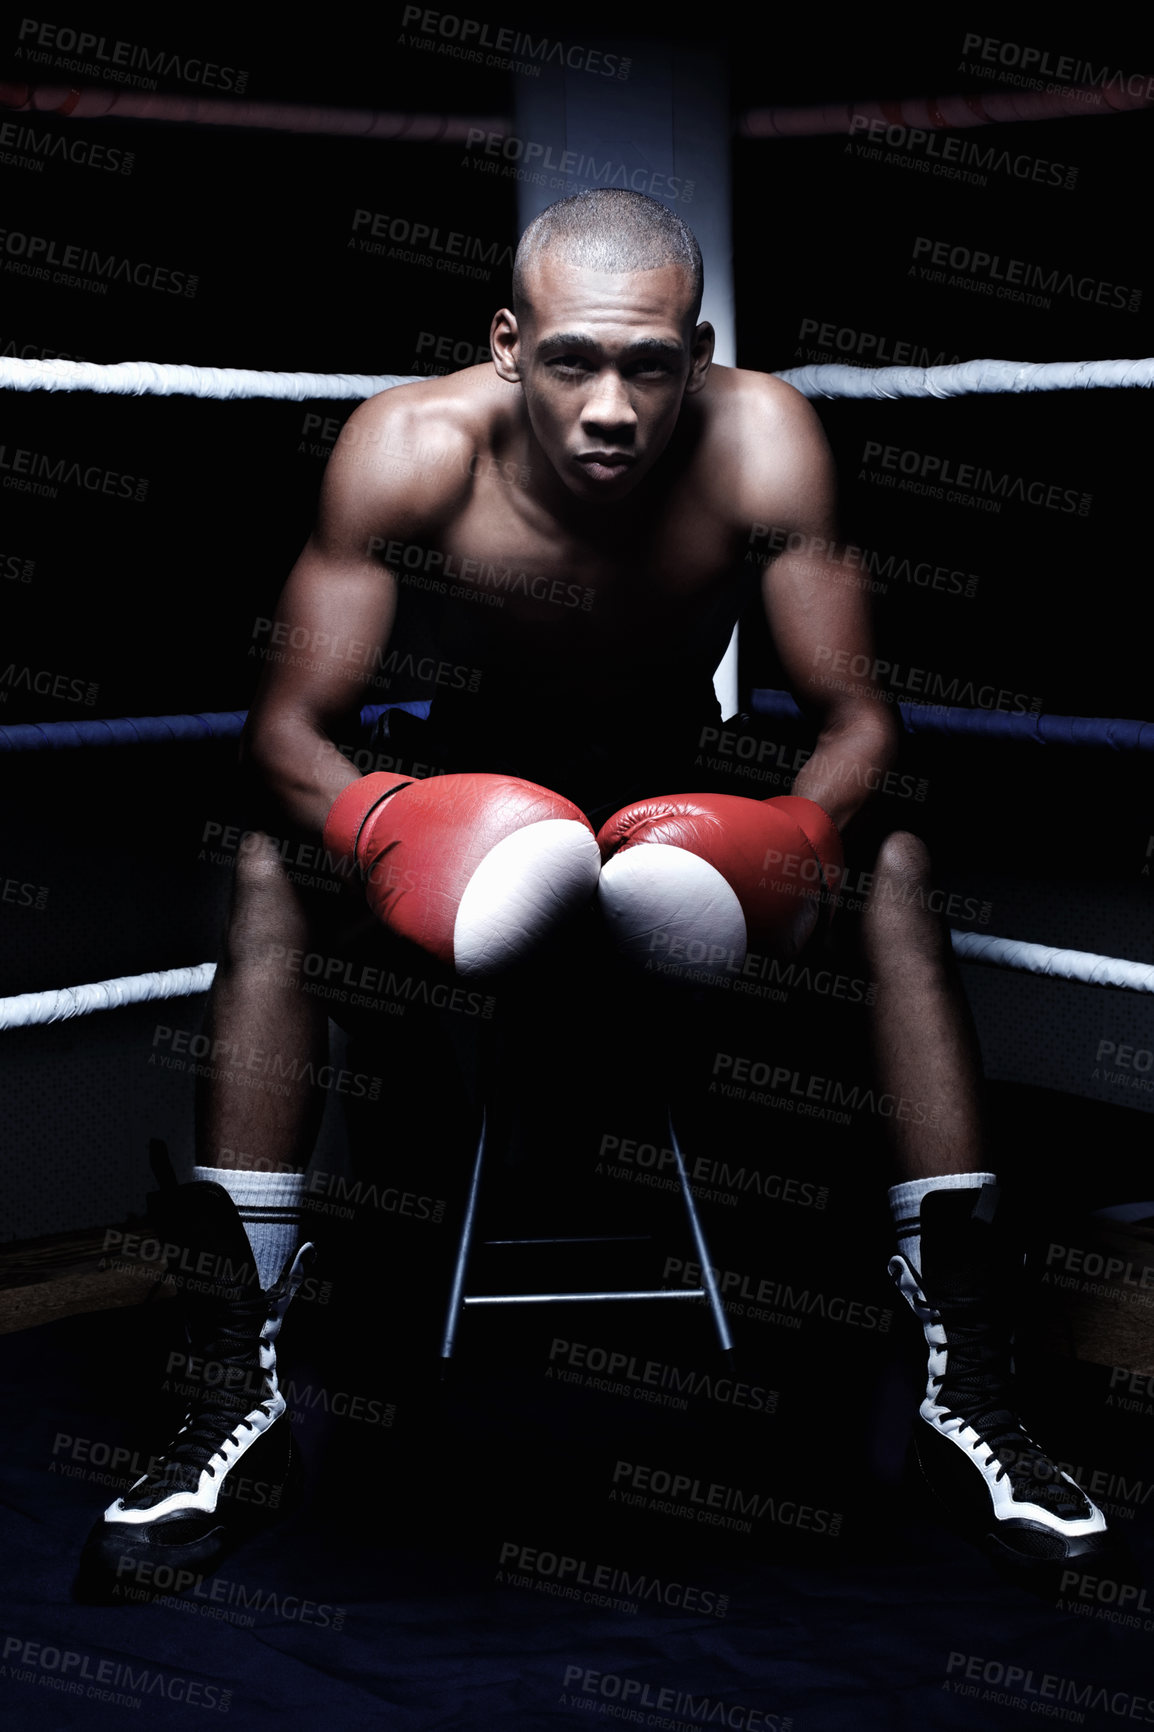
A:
(605, 466)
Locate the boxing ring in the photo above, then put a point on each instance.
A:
(979, 377)
(561, 109)
(131, 930)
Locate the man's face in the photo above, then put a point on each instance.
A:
(604, 360)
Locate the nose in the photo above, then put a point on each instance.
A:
(607, 411)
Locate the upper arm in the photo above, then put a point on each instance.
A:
(815, 602)
(391, 479)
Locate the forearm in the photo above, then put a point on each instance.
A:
(854, 750)
(297, 770)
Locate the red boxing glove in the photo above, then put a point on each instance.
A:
(475, 869)
(700, 880)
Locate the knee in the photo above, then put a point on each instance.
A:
(903, 866)
(266, 919)
(901, 914)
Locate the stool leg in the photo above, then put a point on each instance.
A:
(456, 1296)
(720, 1323)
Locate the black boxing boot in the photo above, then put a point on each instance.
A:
(958, 1272)
(232, 1467)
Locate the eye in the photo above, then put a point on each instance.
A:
(571, 365)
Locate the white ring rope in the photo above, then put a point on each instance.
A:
(967, 378)
(1080, 965)
(29, 1008)
(164, 379)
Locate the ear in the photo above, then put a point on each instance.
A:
(701, 352)
(505, 341)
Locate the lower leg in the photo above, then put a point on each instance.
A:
(925, 1047)
(957, 1266)
(260, 1111)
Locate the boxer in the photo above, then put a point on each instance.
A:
(600, 478)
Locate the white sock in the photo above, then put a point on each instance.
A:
(269, 1204)
(906, 1204)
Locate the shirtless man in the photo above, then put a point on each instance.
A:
(603, 458)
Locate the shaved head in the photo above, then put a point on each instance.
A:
(611, 231)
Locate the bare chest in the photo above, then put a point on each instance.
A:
(650, 587)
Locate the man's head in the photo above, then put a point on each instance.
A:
(603, 335)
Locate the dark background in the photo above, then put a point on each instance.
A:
(151, 607)
(154, 602)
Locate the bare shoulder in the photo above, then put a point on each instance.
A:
(752, 403)
(412, 451)
(771, 441)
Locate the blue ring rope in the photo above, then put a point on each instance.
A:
(1117, 734)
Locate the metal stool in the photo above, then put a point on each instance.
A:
(459, 1298)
